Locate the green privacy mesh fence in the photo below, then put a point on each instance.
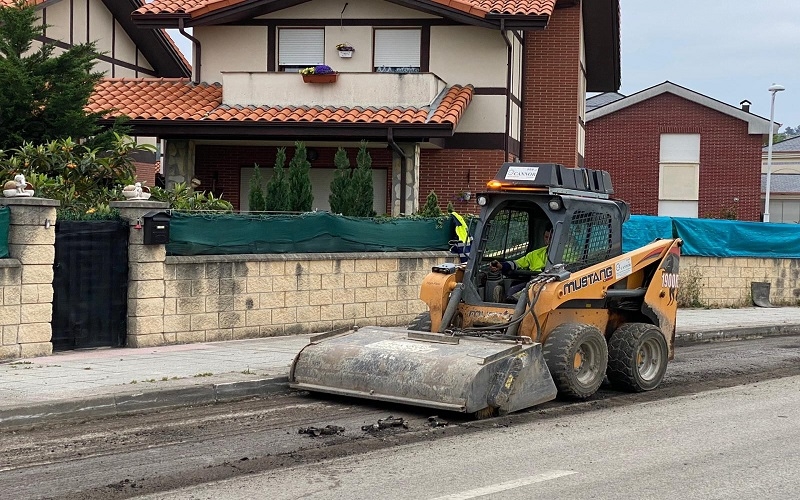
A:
(5, 220)
(227, 234)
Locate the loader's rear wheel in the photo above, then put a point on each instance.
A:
(421, 323)
(577, 356)
(637, 357)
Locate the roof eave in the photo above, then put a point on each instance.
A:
(602, 45)
(164, 21)
(517, 21)
(222, 129)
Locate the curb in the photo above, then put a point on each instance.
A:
(136, 402)
(741, 333)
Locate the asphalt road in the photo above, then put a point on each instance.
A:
(689, 416)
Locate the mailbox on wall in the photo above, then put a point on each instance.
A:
(156, 228)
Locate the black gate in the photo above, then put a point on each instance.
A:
(90, 284)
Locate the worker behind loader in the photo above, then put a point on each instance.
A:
(587, 311)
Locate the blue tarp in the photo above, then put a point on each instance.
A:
(643, 229)
(716, 237)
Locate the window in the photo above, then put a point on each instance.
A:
(679, 175)
(397, 50)
(300, 48)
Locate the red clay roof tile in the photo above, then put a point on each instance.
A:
(479, 8)
(179, 99)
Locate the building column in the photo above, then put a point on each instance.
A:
(405, 180)
(26, 278)
(145, 277)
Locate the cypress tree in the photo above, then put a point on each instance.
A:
(300, 195)
(42, 97)
(256, 196)
(361, 187)
(278, 186)
(431, 207)
(339, 198)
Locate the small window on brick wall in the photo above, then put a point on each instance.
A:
(300, 48)
(679, 175)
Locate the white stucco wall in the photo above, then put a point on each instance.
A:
(231, 48)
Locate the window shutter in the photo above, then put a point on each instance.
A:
(397, 48)
(301, 47)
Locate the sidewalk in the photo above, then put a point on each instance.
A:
(102, 382)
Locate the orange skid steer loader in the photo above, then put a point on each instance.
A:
(591, 312)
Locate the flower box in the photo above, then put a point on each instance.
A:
(323, 78)
(346, 53)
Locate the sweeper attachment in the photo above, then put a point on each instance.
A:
(494, 342)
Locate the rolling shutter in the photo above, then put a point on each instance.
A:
(301, 47)
(397, 48)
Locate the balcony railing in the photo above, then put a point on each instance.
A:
(350, 89)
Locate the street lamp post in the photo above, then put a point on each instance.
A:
(774, 89)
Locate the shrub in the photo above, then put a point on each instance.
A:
(361, 184)
(300, 196)
(278, 186)
(339, 198)
(431, 207)
(256, 196)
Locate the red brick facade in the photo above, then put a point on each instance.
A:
(626, 143)
(551, 103)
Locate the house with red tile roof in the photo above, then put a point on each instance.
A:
(125, 50)
(444, 91)
(675, 152)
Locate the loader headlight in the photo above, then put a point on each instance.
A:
(554, 204)
(482, 200)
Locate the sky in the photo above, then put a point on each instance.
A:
(729, 50)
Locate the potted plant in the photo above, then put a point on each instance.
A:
(345, 50)
(320, 73)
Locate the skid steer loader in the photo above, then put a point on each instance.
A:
(592, 312)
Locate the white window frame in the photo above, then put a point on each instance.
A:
(679, 175)
(397, 50)
(300, 48)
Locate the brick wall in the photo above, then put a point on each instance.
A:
(448, 172)
(626, 143)
(550, 94)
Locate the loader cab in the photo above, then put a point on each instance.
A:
(521, 202)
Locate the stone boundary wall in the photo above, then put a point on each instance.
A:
(725, 282)
(174, 300)
(211, 298)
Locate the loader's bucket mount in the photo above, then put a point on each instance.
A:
(462, 374)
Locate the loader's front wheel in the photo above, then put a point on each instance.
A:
(637, 357)
(421, 323)
(577, 356)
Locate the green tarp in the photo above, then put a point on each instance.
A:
(317, 232)
(5, 221)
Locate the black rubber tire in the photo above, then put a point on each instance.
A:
(577, 357)
(637, 357)
(421, 323)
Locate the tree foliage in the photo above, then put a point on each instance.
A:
(277, 199)
(42, 96)
(361, 185)
(339, 198)
(431, 207)
(301, 198)
(256, 195)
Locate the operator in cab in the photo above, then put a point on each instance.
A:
(531, 261)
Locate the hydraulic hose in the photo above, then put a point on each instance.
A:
(452, 306)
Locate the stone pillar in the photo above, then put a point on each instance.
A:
(406, 171)
(145, 277)
(27, 309)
